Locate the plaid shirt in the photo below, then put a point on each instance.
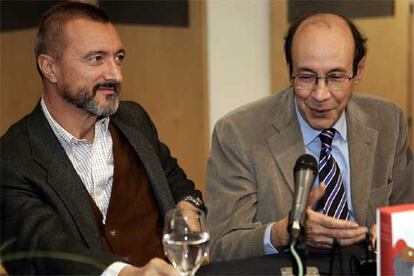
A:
(94, 162)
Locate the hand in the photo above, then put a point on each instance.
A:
(373, 233)
(279, 235)
(155, 267)
(322, 230)
(185, 205)
(190, 211)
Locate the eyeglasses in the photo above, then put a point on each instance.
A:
(335, 82)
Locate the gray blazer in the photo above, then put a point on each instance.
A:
(254, 149)
(44, 206)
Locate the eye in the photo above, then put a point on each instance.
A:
(95, 59)
(306, 77)
(336, 77)
(120, 57)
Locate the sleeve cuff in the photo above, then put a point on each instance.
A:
(196, 201)
(114, 269)
(267, 245)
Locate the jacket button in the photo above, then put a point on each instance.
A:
(113, 233)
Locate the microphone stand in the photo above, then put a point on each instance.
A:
(335, 267)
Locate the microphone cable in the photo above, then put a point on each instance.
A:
(297, 258)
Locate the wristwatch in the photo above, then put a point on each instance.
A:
(196, 201)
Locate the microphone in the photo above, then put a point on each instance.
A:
(304, 176)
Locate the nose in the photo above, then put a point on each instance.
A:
(321, 91)
(113, 70)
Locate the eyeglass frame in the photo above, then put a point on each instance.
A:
(326, 78)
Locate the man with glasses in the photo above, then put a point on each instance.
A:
(360, 142)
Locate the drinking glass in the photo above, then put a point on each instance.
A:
(185, 239)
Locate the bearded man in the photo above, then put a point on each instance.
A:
(85, 181)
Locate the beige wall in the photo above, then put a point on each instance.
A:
(279, 24)
(387, 68)
(238, 72)
(387, 60)
(20, 86)
(164, 71)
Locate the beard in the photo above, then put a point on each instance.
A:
(85, 99)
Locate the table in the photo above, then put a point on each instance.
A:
(272, 264)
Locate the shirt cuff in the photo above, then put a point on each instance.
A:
(268, 246)
(114, 269)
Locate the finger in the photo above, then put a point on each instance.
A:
(318, 245)
(183, 205)
(374, 243)
(160, 267)
(349, 241)
(316, 234)
(327, 242)
(319, 241)
(318, 224)
(333, 223)
(317, 230)
(190, 215)
(316, 194)
(348, 233)
(192, 219)
(373, 233)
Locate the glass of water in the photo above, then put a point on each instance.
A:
(185, 239)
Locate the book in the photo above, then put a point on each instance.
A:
(395, 232)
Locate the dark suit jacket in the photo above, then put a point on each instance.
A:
(45, 212)
(254, 149)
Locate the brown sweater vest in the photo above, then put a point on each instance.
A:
(133, 224)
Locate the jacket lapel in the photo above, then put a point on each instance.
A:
(362, 144)
(62, 176)
(151, 163)
(286, 143)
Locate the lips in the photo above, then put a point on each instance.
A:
(107, 89)
(319, 111)
(107, 86)
(111, 87)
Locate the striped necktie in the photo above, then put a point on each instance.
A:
(334, 201)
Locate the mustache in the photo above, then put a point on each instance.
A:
(115, 85)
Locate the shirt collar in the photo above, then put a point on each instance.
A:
(64, 135)
(310, 134)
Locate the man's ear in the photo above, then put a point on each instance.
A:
(360, 70)
(48, 67)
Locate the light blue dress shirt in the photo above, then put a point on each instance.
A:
(313, 147)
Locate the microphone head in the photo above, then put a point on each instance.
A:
(306, 161)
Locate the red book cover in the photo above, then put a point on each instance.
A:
(395, 240)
